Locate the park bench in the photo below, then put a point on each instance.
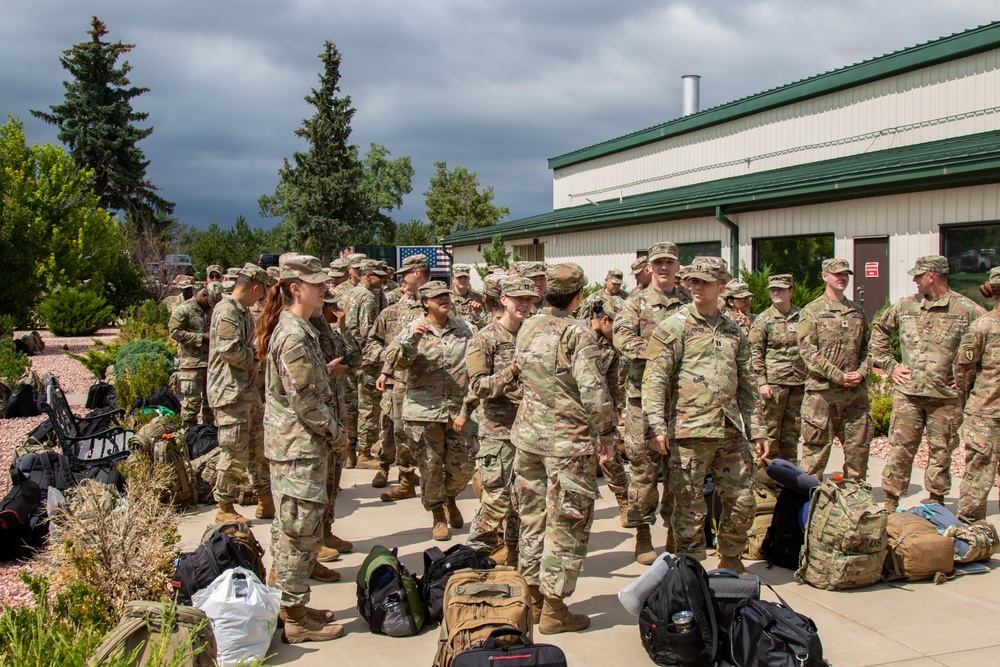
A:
(84, 450)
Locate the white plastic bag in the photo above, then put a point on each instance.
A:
(243, 612)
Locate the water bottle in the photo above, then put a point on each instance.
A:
(683, 622)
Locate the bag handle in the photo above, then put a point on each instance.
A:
(506, 631)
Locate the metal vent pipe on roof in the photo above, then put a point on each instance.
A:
(692, 93)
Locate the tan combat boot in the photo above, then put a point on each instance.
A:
(265, 505)
(352, 459)
(440, 533)
(338, 543)
(366, 461)
(891, 503)
(299, 627)
(381, 477)
(406, 489)
(272, 579)
(228, 513)
(733, 564)
(622, 499)
(327, 555)
(324, 574)
(324, 616)
(454, 516)
(557, 618)
(537, 602)
(477, 485)
(936, 498)
(645, 554)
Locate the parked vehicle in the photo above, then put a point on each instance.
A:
(975, 261)
(178, 265)
(268, 259)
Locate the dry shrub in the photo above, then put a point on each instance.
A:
(123, 547)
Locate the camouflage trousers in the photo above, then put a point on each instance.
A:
(981, 436)
(645, 466)
(913, 417)
(782, 419)
(299, 491)
(335, 467)
(351, 406)
(495, 462)
(555, 498)
(193, 385)
(837, 412)
(369, 413)
(729, 461)
(395, 447)
(445, 459)
(614, 473)
(241, 448)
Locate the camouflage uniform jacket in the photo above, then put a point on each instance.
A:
(437, 379)
(332, 346)
(359, 320)
(929, 334)
(388, 324)
(635, 323)
(188, 325)
(300, 412)
(774, 348)
(977, 367)
(697, 377)
(492, 382)
(460, 305)
(833, 340)
(392, 296)
(564, 392)
(728, 312)
(390, 286)
(609, 364)
(230, 352)
(602, 295)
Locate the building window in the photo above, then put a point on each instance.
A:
(971, 251)
(688, 251)
(802, 256)
(532, 252)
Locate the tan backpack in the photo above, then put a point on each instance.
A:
(156, 442)
(917, 551)
(142, 629)
(477, 602)
(765, 500)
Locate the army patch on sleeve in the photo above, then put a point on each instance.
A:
(967, 353)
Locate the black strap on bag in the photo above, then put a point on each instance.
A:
(439, 566)
(773, 634)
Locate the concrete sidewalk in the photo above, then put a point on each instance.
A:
(919, 625)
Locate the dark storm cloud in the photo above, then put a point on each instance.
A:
(496, 87)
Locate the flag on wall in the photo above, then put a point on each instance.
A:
(438, 259)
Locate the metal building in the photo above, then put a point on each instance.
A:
(878, 162)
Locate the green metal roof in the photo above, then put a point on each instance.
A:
(968, 160)
(952, 47)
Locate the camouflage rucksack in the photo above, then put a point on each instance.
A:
(33, 343)
(156, 442)
(981, 537)
(205, 476)
(765, 500)
(845, 543)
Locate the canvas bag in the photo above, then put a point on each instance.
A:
(438, 568)
(156, 442)
(765, 500)
(917, 551)
(773, 634)
(142, 625)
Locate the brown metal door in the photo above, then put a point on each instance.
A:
(871, 273)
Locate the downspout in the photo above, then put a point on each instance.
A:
(734, 241)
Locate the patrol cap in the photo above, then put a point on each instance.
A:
(355, 258)
(413, 262)
(710, 269)
(232, 272)
(532, 269)
(330, 298)
(372, 266)
(304, 267)
(491, 285)
(682, 272)
(184, 283)
(638, 265)
(461, 270)
(256, 274)
(836, 265)
(737, 289)
(615, 276)
(662, 250)
(930, 263)
(338, 268)
(518, 286)
(565, 278)
(780, 280)
(273, 272)
(213, 268)
(432, 289)
(493, 268)
(995, 275)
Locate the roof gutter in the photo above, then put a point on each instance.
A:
(734, 241)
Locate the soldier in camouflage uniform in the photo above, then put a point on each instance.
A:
(977, 381)
(301, 429)
(495, 383)
(213, 283)
(414, 274)
(536, 271)
(345, 298)
(737, 297)
(931, 324)
(466, 302)
(390, 282)
(634, 325)
(432, 350)
(367, 303)
(610, 296)
(564, 426)
(229, 279)
(833, 343)
(779, 371)
(641, 273)
(232, 379)
(188, 326)
(698, 398)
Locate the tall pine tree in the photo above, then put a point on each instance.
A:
(97, 124)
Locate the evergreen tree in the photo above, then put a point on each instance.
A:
(97, 123)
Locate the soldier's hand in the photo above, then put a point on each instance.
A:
(605, 453)
(254, 375)
(950, 381)
(459, 424)
(474, 306)
(766, 392)
(852, 379)
(515, 367)
(345, 437)
(659, 443)
(422, 327)
(901, 375)
(763, 449)
(380, 382)
(336, 368)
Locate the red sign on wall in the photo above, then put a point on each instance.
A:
(871, 269)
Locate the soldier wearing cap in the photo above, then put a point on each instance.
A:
(188, 326)
(565, 404)
(432, 351)
(492, 293)
(229, 279)
(233, 378)
(633, 327)
(365, 305)
(779, 371)
(414, 273)
(300, 431)
(213, 273)
(736, 299)
(698, 399)
(213, 283)
(641, 273)
(390, 283)
(465, 301)
(537, 272)
(931, 324)
(833, 343)
(495, 384)
(337, 271)
(345, 298)
(977, 382)
(610, 296)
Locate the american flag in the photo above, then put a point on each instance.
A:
(436, 256)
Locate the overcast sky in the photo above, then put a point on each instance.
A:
(496, 87)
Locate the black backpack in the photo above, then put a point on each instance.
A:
(772, 634)
(22, 523)
(159, 398)
(42, 435)
(783, 542)
(199, 568)
(101, 395)
(106, 474)
(47, 468)
(525, 653)
(685, 587)
(22, 402)
(438, 568)
(729, 590)
(98, 420)
(201, 439)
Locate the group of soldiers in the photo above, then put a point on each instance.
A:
(530, 390)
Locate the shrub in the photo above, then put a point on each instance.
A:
(761, 301)
(132, 353)
(99, 358)
(893, 337)
(148, 321)
(150, 374)
(123, 284)
(881, 409)
(75, 312)
(149, 312)
(12, 362)
(6, 326)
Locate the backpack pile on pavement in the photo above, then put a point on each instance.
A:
(224, 546)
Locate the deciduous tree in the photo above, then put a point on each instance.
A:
(454, 201)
